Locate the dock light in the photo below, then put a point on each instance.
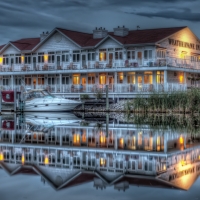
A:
(46, 160)
(23, 159)
(1, 156)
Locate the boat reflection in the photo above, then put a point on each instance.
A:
(66, 151)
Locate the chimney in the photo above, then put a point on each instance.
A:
(43, 35)
(99, 33)
(121, 31)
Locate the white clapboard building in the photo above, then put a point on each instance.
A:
(128, 61)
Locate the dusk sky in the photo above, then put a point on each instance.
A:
(25, 19)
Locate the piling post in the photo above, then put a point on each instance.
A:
(107, 99)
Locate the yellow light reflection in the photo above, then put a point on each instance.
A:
(1, 156)
(102, 161)
(23, 159)
(46, 160)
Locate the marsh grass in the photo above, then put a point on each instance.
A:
(173, 102)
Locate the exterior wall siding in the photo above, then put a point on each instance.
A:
(11, 50)
(52, 45)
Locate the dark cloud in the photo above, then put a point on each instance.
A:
(24, 18)
(184, 15)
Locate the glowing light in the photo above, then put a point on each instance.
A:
(199, 157)
(181, 140)
(46, 58)
(46, 160)
(23, 159)
(76, 138)
(102, 161)
(164, 167)
(102, 138)
(183, 162)
(22, 59)
(181, 78)
(1, 60)
(121, 141)
(1, 156)
(158, 143)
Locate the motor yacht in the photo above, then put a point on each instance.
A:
(42, 100)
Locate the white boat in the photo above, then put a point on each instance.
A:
(41, 100)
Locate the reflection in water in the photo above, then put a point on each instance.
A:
(65, 151)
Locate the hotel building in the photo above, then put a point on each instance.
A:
(128, 61)
(119, 154)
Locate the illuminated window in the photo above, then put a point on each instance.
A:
(121, 142)
(148, 77)
(102, 56)
(102, 138)
(76, 79)
(132, 143)
(102, 162)
(120, 77)
(102, 79)
(160, 77)
(84, 136)
(131, 77)
(158, 143)
(140, 138)
(76, 139)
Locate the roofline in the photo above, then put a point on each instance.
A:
(50, 34)
(7, 45)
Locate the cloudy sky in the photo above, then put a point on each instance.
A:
(24, 18)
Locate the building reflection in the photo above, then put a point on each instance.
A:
(67, 153)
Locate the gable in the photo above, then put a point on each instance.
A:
(57, 42)
(182, 41)
(10, 50)
(109, 43)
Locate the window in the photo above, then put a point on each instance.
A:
(5, 61)
(102, 56)
(91, 78)
(102, 79)
(160, 77)
(51, 58)
(130, 55)
(40, 79)
(148, 54)
(28, 80)
(27, 60)
(161, 53)
(76, 79)
(5, 81)
(91, 56)
(65, 80)
(118, 55)
(76, 57)
(65, 58)
(131, 77)
(18, 60)
(120, 77)
(40, 58)
(148, 77)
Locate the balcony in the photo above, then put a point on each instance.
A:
(113, 88)
(101, 65)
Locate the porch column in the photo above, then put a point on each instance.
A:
(165, 79)
(60, 77)
(12, 82)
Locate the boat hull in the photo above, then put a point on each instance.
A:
(50, 107)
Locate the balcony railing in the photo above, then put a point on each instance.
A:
(94, 88)
(111, 64)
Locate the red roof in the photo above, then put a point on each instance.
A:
(134, 36)
(1, 47)
(87, 40)
(26, 44)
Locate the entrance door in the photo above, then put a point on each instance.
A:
(84, 61)
(139, 57)
(110, 57)
(140, 82)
